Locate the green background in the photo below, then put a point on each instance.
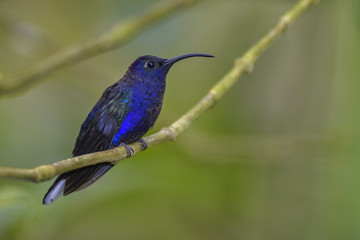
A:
(277, 158)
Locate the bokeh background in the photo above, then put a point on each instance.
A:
(277, 158)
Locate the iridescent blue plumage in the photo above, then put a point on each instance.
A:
(124, 113)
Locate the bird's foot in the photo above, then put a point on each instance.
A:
(129, 150)
(144, 144)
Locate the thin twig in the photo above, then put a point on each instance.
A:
(117, 36)
(242, 65)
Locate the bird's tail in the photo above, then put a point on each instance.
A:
(75, 180)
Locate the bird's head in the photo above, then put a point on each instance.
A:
(150, 67)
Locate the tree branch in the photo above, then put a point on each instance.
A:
(242, 65)
(117, 36)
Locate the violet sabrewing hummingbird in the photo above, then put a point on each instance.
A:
(124, 113)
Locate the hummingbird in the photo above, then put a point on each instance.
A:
(124, 113)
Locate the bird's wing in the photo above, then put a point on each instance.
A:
(103, 122)
(96, 134)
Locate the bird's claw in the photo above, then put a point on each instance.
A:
(144, 144)
(129, 150)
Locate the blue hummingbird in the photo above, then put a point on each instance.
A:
(124, 113)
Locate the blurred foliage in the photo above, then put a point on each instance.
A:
(277, 158)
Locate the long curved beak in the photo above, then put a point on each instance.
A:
(173, 60)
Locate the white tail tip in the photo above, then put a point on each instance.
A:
(55, 192)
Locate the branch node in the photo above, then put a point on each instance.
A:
(214, 94)
(170, 133)
(285, 22)
(44, 172)
(247, 64)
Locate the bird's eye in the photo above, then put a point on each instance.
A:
(150, 64)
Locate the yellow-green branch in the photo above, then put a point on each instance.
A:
(117, 36)
(242, 65)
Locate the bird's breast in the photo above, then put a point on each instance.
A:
(144, 108)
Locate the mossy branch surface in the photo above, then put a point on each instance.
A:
(115, 37)
(242, 65)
